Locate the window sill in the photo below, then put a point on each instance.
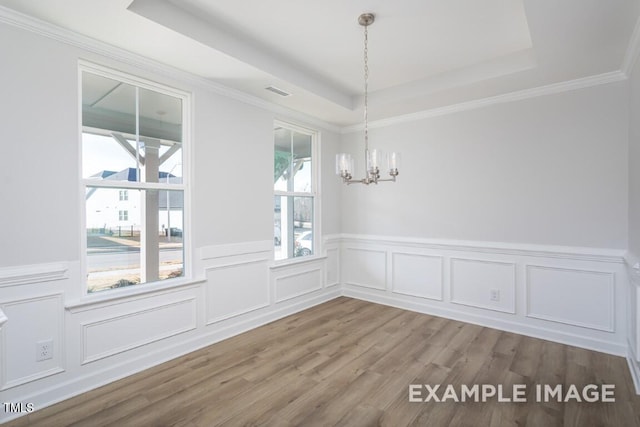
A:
(283, 263)
(106, 298)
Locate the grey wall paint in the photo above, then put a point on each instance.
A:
(547, 170)
(634, 161)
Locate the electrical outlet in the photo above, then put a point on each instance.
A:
(44, 350)
(495, 295)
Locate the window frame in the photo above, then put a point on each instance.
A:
(186, 100)
(314, 194)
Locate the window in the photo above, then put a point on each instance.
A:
(133, 142)
(294, 191)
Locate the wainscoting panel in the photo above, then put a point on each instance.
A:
(297, 284)
(117, 334)
(483, 284)
(417, 275)
(365, 267)
(236, 289)
(333, 267)
(21, 334)
(575, 297)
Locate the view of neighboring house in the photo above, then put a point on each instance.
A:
(118, 211)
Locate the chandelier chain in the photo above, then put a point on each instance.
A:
(366, 87)
(373, 160)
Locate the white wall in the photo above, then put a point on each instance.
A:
(97, 339)
(39, 169)
(549, 170)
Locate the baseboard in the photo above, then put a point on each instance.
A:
(634, 369)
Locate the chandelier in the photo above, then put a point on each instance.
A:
(374, 159)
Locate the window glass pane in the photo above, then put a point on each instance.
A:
(113, 241)
(171, 246)
(279, 237)
(293, 226)
(108, 120)
(303, 225)
(282, 160)
(301, 163)
(160, 135)
(104, 158)
(118, 229)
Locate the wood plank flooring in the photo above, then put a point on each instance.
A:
(350, 363)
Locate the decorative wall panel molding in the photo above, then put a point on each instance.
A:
(29, 274)
(484, 284)
(296, 284)
(417, 275)
(479, 247)
(506, 286)
(333, 267)
(576, 297)
(20, 335)
(117, 334)
(236, 289)
(365, 267)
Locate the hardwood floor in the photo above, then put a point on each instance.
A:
(350, 363)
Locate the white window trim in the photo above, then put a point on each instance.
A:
(187, 150)
(316, 193)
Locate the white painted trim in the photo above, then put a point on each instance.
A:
(138, 292)
(292, 262)
(37, 26)
(393, 266)
(435, 309)
(60, 339)
(85, 326)
(236, 249)
(386, 269)
(484, 306)
(612, 301)
(212, 320)
(337, 258)
(584, 82)
(546, 251)
(634, 369)
(3, 318)
(299, 294)
(30, 274)
(633, 51)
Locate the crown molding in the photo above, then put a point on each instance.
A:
(54, 32)
(600, 79)
(633, 51)
(34, 25)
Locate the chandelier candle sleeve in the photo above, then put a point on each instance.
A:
(344, 164)
(394, 162)
(376, 160)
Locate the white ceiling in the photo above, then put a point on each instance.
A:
(423, 54)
